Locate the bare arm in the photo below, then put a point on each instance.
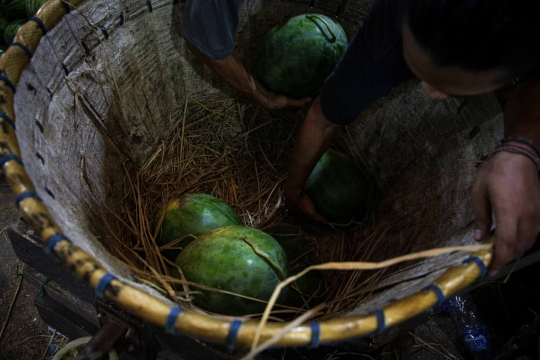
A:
(233, 72)
(508, 185)
(313, 140)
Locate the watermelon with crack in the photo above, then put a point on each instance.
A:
(236, 259)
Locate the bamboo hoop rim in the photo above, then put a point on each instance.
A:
(232, 332)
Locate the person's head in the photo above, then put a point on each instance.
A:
(470, 47)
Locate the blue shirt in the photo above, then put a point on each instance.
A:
(211, 26)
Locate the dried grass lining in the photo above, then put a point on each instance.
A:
(240, 154)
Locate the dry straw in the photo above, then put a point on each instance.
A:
(240, 154)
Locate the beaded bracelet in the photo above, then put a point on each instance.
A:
(523, 140)
(519, 150)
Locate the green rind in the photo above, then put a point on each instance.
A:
(32, 6)
(4, 22)
(15, 9)
(11, 30)
(295, 58)
(311, 286)
(222, 259)
(193, 214)
(338, 187)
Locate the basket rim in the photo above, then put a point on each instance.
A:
(231, 332)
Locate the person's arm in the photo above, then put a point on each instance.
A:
(233, 72)
(508, 184)
(314, 138)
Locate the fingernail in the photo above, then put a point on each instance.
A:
(493, 272)
(477, 234)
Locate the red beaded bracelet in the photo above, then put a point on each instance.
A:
(523, 140)
(516, 149)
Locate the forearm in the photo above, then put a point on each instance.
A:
(314, 138)
(522, 111)
(229, 69)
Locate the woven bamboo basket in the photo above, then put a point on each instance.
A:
(87, 85)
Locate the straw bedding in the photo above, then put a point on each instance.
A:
(239, 153)
(113, 148)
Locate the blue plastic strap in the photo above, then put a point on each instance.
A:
(9, 157)
(24, 47)
(381, 321)
(437, 290)
(54, 240)
(171, 319)
(479, 262)
(25, 195)
(67, 7)
(233, 334)
(315, 335)
(102, 285)
(8, 82)
(40, 24)
(9, 120)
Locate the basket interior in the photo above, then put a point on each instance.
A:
(109, 83)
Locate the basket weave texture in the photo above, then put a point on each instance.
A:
(88, 101)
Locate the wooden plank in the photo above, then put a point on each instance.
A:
(62, 319)
(29, 249)
(62, 296)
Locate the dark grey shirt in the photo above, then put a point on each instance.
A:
(211, 26)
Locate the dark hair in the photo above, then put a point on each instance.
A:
(479, 34)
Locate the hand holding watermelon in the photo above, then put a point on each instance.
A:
(299, 203)
(233, 72)
(271, 101)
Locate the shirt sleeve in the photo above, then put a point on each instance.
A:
(211, 26)
(370, 68)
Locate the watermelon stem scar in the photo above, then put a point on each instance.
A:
(265, 256)
(314, 18)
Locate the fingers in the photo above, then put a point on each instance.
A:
(506, 245)
(317, 217)
(302, 205)
(513, 239)
(482, 211)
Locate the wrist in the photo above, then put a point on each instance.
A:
(519, 149)
(293, 190)
(251, 88)
(521, 141)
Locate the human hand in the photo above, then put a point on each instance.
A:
(299, 203)
(271, 101)
(507, 185)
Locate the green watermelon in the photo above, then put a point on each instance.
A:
(15, 9)
(237, 259)
(11, 30)
(310, 287)
(295, 58)
(32, 6)
(4, 22)
(339, 188)
(193, 214)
